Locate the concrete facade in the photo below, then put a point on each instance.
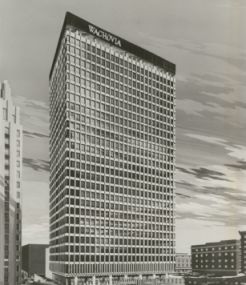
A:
(112, 156)
(183, 263)
(10, 188)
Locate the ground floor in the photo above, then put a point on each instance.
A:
(119, 280)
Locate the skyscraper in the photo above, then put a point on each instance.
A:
(112, 157)
(10, 188)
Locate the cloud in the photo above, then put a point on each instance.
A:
(35, 211)
(241, 165)
(191, 107)
(222, 205)
(34, 134)
(237, 151)
(207, 139)
(204, 173)
(36, 164)
(232, 56)
(38, 233)
(202, 231)
(35, 104)
(183, 195)
(34, 114)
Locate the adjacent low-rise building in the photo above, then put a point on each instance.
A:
(34, 259)
(217, 258)
(243, 251)
(183, 263)
(222, 280)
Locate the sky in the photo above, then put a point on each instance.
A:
(206, 40)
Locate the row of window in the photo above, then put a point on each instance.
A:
(128, 111)
(118, 98)
(98, 79)
(102, 56)
(78, 75)
(215, 248)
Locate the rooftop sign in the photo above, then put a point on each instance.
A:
(81, 24)
(104, 35)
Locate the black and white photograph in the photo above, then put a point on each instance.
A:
(122, 142)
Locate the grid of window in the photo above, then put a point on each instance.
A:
(10, 192)
(243, 251)
(112, 161)
(222, 256)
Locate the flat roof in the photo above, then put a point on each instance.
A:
(83, 25)
(219, 243)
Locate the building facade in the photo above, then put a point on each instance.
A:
(112, 157)
(10, 188)
(218, 258)
(243, 251)
(183, 263)
(222, 280)
(34, 259)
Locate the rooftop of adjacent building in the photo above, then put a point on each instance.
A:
(35, 245)
(81, 24)
(219, 243)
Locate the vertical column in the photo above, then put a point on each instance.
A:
(93, 280)
(76, 280)
(110, 280)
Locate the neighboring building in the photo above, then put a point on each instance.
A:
(243, 251)
(167, 280)
(223, 280)
(48, 273)
(34, 259)
(112, 157)
(217, 258)
(183, 263)
(10, 188)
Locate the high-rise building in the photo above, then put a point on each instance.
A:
(217, 258)
(243, 251)
(10, 188)
(112, 157)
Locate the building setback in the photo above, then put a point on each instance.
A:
(183, 262)
(10, 188)
(33, 259)
(243, 251)
(217, 258)
(112, 157)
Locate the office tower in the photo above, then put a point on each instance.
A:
(10, 188)
(243, 251)
(217, 258)
(112, 157)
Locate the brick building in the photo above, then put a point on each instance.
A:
(217, 258)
